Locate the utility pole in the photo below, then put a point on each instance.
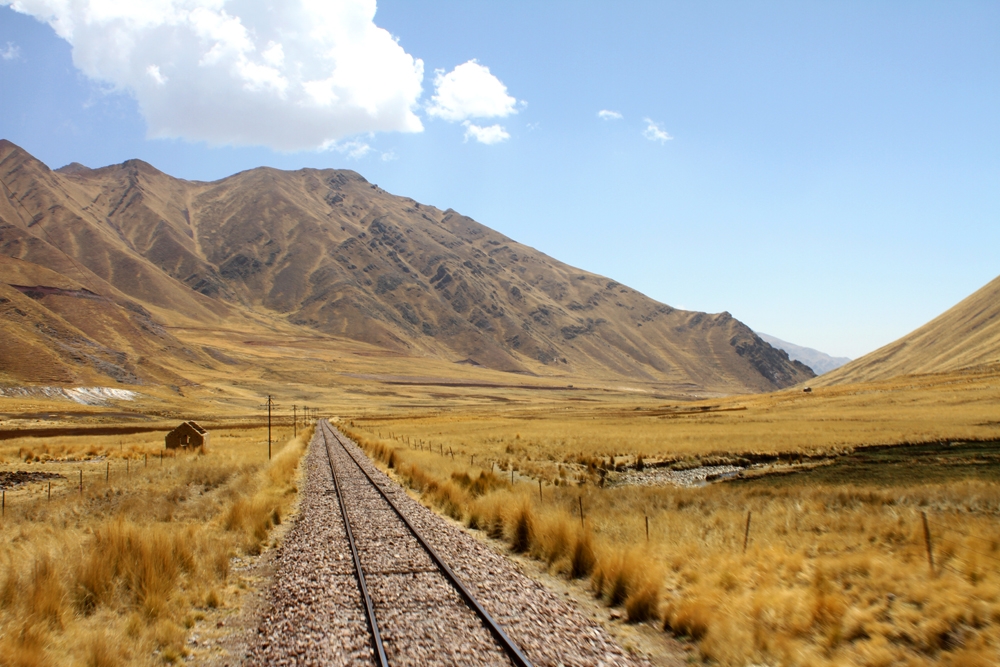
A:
(295, 422)
(270, 404)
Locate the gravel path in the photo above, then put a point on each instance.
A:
(316, 616)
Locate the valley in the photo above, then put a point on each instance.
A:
(702, 496)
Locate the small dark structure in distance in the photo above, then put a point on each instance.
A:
(188, 434)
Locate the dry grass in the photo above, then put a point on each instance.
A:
(613, 430)
(835, 572)
(112, 576)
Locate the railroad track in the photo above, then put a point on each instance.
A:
(416, 610)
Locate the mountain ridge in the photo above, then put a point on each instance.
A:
(819, 362)
(964, 337)
(330, 252)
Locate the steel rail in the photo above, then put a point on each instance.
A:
(508, 645)
(380, 656)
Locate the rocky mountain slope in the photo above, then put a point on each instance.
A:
(819, 362)
(966, 336)
(327, 251)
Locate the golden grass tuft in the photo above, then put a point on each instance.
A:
(582, 558)
(133, 565)
(688, 618)
(102, 651)
(643, 601)
(521, 527)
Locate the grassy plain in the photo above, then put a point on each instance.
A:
(119, 572)
(835, 569)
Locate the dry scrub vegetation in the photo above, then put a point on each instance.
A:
(118, 574)
(833, 573)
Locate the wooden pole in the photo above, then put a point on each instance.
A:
(146, 459)
(581, 511)
(927, 542)
(50, 490)
(539, 490)
(746, 534)
(269, 404)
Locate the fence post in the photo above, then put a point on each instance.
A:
(540, 499)
(746, 534)
(581, 510)
(927, 541)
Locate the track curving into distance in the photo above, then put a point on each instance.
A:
(418, 612)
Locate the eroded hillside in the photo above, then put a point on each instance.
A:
(328, 251)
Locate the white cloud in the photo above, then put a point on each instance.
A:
(470, 91)
(492, 134)
(355, 149)
(291, 75)
(154, 73)
(654, 132)
(10, 52)
(604, 114)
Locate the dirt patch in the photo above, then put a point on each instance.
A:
(932, 463)
(11, 479)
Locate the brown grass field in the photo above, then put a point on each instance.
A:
(835, 570)
(119, 573)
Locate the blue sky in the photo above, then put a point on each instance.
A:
(831, 176)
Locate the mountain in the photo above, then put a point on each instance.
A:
(966, 336)
(819, 362)
(329, 252)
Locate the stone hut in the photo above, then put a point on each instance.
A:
(188, 434)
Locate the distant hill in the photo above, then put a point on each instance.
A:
(964, 337)
(820, 362)
(129, 248)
